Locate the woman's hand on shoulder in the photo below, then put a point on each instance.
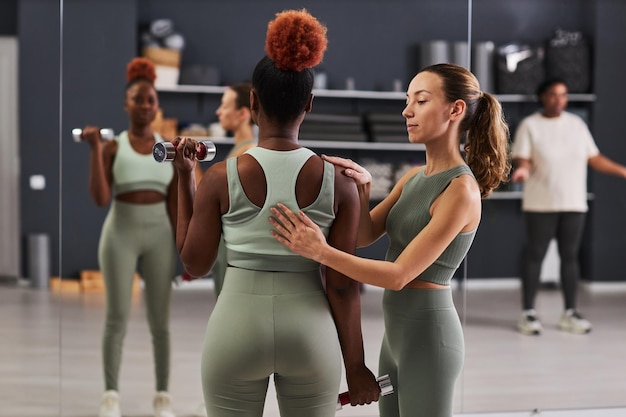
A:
(360, 175)
(298, 232)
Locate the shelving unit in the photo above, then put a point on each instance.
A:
(372, 95)
(373, 146)
(363, 94)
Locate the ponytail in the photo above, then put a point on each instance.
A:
(486, 145)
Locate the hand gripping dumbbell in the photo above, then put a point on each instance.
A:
(166, 151)
(105, 134)
(384, 382)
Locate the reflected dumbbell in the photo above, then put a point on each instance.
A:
(384, 382)
(105, 134)
(166, 151)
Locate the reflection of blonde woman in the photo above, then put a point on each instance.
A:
(234, 116)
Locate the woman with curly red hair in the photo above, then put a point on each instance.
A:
(273, 315)
(137, 230)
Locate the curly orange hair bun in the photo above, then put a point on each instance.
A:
(295, 40)
(140, 68)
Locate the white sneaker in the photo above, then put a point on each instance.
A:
(200, 411)
(571, 321)
(110, 404)
(163, 405)
(529, 324)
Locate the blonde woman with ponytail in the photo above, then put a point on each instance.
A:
(431, 217)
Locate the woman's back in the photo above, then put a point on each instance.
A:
(256, 182)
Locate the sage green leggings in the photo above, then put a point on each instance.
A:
(136, 234)
(268, 323)
(422, 352)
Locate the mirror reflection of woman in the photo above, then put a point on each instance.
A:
(273, 317)
(138, 229)
(234, 116)
(430, 216)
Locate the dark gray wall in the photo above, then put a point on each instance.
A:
(529, 20)
(98, 42)
(369, 40)
(38, 23)
(608, 223)
(8, 17)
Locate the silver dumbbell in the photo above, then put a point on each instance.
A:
(106, 134)
(166, 151)
(386, 388)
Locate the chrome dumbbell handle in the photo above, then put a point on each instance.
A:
(166, 151)
(105, 133)
(384, 382)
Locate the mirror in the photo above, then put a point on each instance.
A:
(504, 369)
(29, 208)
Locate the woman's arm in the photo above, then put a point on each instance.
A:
(371, 223)
(198, 225)
(605, 165)
(100, 165)
(522, 170)
(172, 194)
(344, 297)
(172, 201)
(456, 210)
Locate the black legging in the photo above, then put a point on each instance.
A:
(567, 228)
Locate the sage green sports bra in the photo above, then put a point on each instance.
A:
(133, 171)
(411, 214)
(246, 229)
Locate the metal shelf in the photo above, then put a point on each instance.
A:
(324, 144)
(523, 98)
(364, 94)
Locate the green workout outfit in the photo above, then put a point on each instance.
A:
(423, 347)
(137, 234)
(272, 316)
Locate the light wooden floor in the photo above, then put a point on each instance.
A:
(50, 357)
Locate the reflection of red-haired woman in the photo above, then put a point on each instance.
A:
(273, 315)
(136, 231)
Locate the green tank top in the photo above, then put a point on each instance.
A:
(133, 171)
(411, 214)
(247, 232)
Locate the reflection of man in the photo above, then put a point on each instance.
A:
(551, 150)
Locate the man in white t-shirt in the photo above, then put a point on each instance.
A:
(551, 151)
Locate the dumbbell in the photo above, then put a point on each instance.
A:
(384, 382)
(106, 134)
(166, 151)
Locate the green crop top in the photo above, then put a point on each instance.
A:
(411, 214)
(133, 171)
(246, 229)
